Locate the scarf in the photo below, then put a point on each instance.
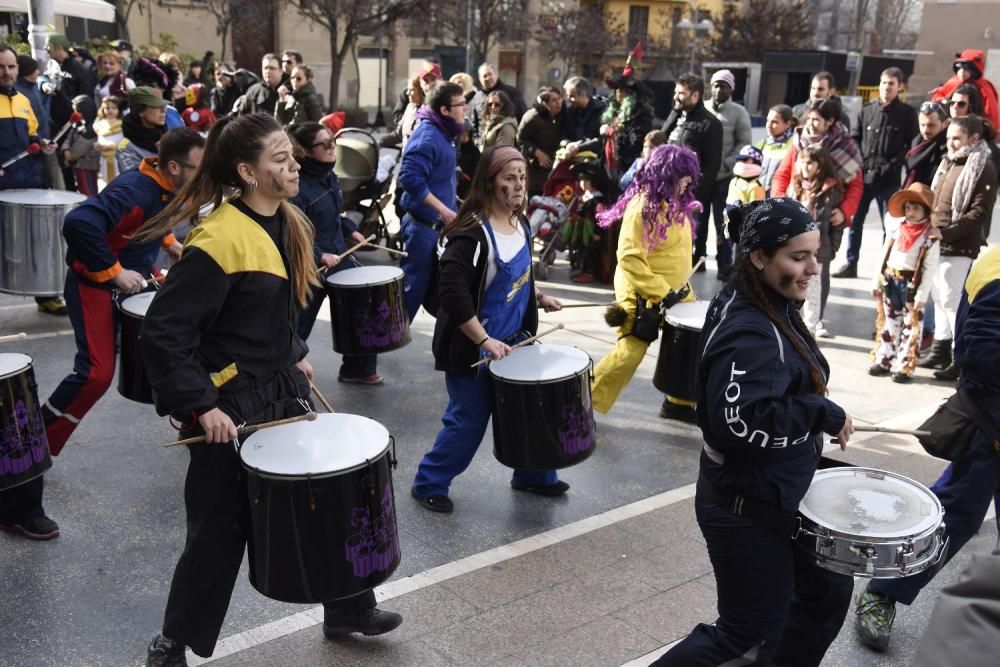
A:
(781, 138)
(975, 156)
(843, 151)
(911, 232)
(446, 124)
(918, 154)
(746, 170)
(145, 138)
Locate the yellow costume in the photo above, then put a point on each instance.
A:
(653, 273)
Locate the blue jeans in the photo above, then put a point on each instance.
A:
(879, 193)
(420, 242)
(470, 405)
(965, 490)
(776, 606)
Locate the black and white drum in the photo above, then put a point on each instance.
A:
(322, 507)
(367, 310)
(543, 418)
(24, 449)
(132, 382)
(32, 248)
(871, 523)
(677, 363)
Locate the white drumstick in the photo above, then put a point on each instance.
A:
(13, 337)
(526, 341)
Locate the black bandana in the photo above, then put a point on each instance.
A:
(768, 224)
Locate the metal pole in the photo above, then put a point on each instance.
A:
(468, 40)
(41, 18)
(379, 117)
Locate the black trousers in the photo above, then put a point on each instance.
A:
(22, 502)
(218, 518)
(776, 607)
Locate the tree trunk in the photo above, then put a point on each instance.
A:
(224, 32)
(336, 63)
(357, 68)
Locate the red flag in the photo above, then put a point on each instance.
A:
(637, 51)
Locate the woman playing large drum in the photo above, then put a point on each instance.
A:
(762, 409)
(654, 258)
(488, 301)
(220, 349)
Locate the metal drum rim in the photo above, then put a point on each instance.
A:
(29, 366)
(880, 538)
(530, 383)
(327, 474)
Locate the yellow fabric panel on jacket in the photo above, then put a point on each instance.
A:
(744, 191)
(19, 106)
(236, 243)
(985, 270)
(651, 272)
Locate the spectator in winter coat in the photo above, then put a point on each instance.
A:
(113, 80)
(781, 124)
(302, 105)
(735, 133)
(142, 127)
(488, 82)
(80, 147)
(884, 132)
(691, 124)
(969, 67)
(823, 87)
(408, 120)
(625, 123)
(500, 127)
(965, 100)
(583, 113)
(163, 78)
(225, 92)
(77, 78)
(928, 147)
(262, 96)
(539, 135)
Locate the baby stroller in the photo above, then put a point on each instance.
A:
(547, 213)
(365, 176)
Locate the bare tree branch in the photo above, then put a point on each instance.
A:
(580, 38)
(492, 22)
(739, 33)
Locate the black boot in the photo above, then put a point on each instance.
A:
(949, 374)
(339, 623)
(939, 356)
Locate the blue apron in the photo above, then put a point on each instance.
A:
(507, 298)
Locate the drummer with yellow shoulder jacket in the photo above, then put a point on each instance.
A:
(763, 410)
(221, 349)
(654, 260)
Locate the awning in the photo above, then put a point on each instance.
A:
(95, 10)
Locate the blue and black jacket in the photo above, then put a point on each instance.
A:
(427, 166)
(977, 341)
(98, 231)
(321, 199)
(757, 409)
(18, 128)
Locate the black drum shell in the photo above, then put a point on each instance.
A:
(132, 381)
(544, 425)
(24, 448)
(677, 363)
(354, 310)
(308, 542)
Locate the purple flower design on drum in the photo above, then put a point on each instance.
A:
(375, 547)
(23, 443)
(379, 328)
(576, 433)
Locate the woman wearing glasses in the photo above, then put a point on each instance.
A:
(501, 121)
(302, 104)
(969, 67)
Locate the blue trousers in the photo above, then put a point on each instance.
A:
(352, 366)
(965, 490)
(420, 242)
(470, 404)
(880, 194)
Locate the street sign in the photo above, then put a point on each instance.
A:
(853, 61)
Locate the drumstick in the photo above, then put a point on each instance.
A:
(247, 430)
(586, 305)
(524, 342)
(389, 250)
(348, 252)
(860, 428)
(321, 397)
(694, 270)
(12, 337)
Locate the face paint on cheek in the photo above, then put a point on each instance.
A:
(786, 281)
(277, 186)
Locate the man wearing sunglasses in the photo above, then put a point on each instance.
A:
(969, 66)
(102, 262)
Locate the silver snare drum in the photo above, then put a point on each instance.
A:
(32, 248)
(871, 523)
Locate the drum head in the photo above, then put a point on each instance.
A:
(870, 502)
(138, 304)
(540, 363)
(12, 363)
(332, 443)
(41, 197)
(689, 315)
(365, 275)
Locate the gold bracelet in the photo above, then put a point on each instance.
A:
(486, 337)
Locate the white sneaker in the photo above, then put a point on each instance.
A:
(821, 331)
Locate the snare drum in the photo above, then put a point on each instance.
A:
(542, 415)
(322, 508)
(132, 382)
(32, 248)
(24, 449)
(677, 363)
(367, 310)
(871, 523)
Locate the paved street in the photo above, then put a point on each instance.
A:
(607, 575)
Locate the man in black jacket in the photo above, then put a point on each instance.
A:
(583, 110)
(691, 124)
(488, 82)
(262, 96)
(823, 87)
(77, 79)
(884, 133)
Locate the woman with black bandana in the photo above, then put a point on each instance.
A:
(762, 409)
(220, 346)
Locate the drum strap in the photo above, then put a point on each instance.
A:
(763, 514)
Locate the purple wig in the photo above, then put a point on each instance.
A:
(657, 181)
